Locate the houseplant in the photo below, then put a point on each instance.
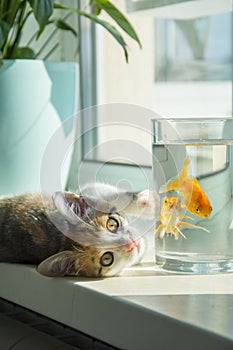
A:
(32, 103)
(14, 15)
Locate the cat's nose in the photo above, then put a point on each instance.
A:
(130, 246)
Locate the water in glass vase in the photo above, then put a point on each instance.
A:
(194, 230)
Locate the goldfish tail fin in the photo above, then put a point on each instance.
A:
(178, 231)
(176, 181)
(172, 184)
(184, 223)
(159, 228)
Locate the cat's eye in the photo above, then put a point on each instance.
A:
(112, 224)
(107, 259)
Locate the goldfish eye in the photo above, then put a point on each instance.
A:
(211, 209)
(166, 201)
(198, 210)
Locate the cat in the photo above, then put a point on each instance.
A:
(84, 234)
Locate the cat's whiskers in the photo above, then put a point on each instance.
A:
(79, 249)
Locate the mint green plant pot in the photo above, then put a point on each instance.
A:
(35, 98)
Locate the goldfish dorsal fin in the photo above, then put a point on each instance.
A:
(196, 183)
(176, 181)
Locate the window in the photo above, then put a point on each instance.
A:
(184, 69)
(194, 50)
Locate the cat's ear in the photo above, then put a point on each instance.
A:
(71, 205)
(58, 265)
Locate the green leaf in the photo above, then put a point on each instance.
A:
(9, 10)
(1, 58)
(118, 17)
(96, 9)
(42, 10)
(24, 52)
(110, 28)
(59, 23)
(4, 30)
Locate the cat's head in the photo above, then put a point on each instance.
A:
(90, 261)
(104, 242)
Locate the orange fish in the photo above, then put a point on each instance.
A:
(195, 200)
(171, 216)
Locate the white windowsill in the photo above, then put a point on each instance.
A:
(139, 309)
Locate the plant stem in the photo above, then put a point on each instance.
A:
(19, 25)
(9, 11)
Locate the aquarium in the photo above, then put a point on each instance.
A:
(192, 171)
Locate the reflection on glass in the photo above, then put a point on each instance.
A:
(197, 49)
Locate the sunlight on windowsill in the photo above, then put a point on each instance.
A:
(147, 279)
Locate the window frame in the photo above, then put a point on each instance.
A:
(89, 64)
(88, 61)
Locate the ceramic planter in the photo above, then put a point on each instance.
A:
(35, 98)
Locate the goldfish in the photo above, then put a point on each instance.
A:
(171, 218)
(195, 200)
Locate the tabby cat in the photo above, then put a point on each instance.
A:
(70, 234)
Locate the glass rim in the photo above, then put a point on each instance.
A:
(193, 119)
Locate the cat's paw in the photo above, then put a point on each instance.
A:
(148, 204)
